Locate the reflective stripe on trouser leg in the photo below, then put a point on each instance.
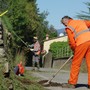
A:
(80, 52)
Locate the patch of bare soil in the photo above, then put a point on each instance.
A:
(44, 83)
(25, 81)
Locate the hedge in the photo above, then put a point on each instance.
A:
(60, 50)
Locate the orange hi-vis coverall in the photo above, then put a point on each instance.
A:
(21, 68)
(79, 41)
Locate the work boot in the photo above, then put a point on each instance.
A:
(33, 69)
(38, 69)
(67, 85)
(88, 86)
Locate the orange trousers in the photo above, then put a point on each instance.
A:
(81, 51)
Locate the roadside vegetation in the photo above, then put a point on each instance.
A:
(24, 21)
(60, 50)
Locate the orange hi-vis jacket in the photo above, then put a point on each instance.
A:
(78, 32)
(21, 68)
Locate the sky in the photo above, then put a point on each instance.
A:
(59, 8)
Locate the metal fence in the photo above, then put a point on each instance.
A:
(63, 52)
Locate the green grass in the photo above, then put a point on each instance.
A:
(28, 82)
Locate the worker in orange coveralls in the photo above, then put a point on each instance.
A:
(79, 40)
(19, 69)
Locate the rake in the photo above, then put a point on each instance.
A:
(48, 82)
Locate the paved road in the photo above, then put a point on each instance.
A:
(61, 77)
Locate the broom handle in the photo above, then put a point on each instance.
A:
(61, 68)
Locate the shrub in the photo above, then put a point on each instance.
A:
(60, 50)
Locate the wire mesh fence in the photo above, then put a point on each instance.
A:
(63, 52)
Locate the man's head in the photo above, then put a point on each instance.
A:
(65, 20)
(35, 39)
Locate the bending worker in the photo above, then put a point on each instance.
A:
(79, 40)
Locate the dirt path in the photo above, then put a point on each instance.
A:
(61, 77)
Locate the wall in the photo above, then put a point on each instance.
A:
(48, 42)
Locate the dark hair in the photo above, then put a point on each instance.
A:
(65, 17)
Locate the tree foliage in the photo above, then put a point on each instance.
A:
(27, 21)
(84, 14)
